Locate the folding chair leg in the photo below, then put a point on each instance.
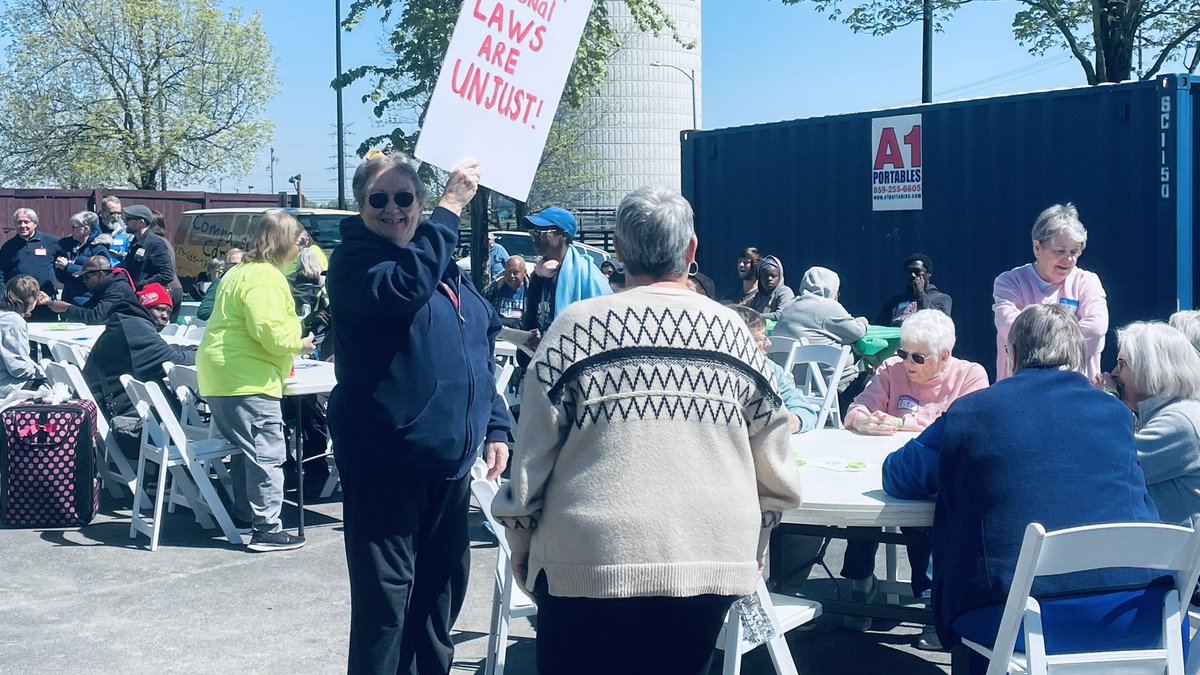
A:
(502, 627)
(160, 493)
(493, 648)
(733, 643)
(332, 483)
(781, 656)
(212, 503)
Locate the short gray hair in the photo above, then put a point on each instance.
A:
(1060, 219)
(1162, 361)
(377, 163)
(929, 327)
(654, 226)
(1045, 336)
(27, 211)
(1188, 322)
(109, 200)
(753, 318)
(85, 218)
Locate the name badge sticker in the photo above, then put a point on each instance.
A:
(39, 251)
(908, 403)
(1070, 303)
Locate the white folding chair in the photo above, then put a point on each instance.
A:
(783, 352)
(509, 601)
(785, 612)
(65, 352)
(1169, 548)
(185, 383)
(172, 329)
(823, 366)
(193, 332)
(185, 461)
(504, 376)
(117, 468)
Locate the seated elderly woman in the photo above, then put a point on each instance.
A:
(1158, 377)
(652, 463)
(908, 392)
(913, 388)
(996, 461)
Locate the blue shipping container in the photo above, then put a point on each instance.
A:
(802, 190)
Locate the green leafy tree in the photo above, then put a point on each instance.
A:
(417, 46)
(1102, 35)
(139, 93)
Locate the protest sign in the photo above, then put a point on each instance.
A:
(896, 163)
(499, 88)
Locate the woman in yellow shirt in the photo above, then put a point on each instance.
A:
(244, 357)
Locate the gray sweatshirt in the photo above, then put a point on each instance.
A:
(19, 368)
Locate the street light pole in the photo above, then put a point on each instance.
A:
(691, 76)
(341, 139)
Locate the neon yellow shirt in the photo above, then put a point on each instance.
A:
(252, 336)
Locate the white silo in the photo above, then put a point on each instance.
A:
(642, 107)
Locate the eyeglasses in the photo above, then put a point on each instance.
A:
(918, 359)
(538, 233)
(379, 200)
(91, 272)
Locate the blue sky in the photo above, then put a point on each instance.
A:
(762, 61)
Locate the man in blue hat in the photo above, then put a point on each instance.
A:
(565, 274)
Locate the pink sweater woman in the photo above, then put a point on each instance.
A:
(1053, 278)
(913, 388)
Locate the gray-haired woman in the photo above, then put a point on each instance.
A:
(1053, 279)
(414, 402)
(652, 463)
(1158, 377)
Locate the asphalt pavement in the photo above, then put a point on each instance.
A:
(93, 600)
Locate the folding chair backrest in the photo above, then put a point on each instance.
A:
(783, 352)
(65, 352)
(1168, 548)
(69, 376)
(172, 330)
(160, 426)
(485, 491)
(818, 371)
(193, 332)
(504, 376)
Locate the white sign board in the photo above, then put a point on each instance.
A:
(896, 163)
(499, 88)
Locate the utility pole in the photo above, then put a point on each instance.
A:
(927, 51)
(341, 143)
(271, 168)
(481, 274)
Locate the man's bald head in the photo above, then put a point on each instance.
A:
(514, 272)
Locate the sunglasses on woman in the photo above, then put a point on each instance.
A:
(379, 200)
(918, 359)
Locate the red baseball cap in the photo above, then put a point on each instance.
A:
(153, 295)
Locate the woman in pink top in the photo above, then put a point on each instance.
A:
(913, 388)
(1053, 278)
(907, 393)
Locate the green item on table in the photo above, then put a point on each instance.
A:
(799, 462)
(878, 339)
(855, 466)
(771, 326)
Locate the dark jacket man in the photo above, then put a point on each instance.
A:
(33, 256)
(149, 260)
(112, 292)
(920, 293)
(129, 345)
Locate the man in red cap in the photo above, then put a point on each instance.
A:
(157, 301)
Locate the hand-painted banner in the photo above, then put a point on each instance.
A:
(896, 163)
(499, 88)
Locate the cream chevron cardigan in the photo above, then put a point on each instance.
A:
(651, 457)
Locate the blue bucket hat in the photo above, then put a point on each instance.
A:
(553, 217)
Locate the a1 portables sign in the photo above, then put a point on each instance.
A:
(499, 88)
(896, 163)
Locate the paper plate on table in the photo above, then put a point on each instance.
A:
(66, 326)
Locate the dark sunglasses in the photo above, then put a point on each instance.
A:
(918, 359)
(379, 200)
(538, 233)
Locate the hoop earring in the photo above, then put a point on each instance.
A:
(693, 269)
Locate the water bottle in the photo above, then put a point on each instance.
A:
(756, 625)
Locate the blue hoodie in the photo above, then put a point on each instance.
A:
(415, 390)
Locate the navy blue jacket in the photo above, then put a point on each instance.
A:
(1041, 446)
(74, 290)
(415, 391)
(34, 257)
